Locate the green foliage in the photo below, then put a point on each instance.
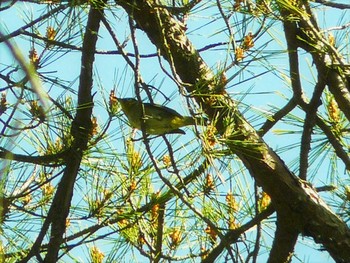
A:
(172, 197)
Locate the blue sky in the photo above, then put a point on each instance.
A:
(111, 73)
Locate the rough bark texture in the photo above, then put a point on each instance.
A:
(81, 130)
(291, 197)
(284, 241)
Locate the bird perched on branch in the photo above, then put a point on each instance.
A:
(157, 119)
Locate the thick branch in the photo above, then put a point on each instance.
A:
(81, 131)
(325, 57)
(290, 30)
(289, 195)
(283, 244)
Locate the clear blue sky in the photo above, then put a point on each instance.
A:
(111, 72)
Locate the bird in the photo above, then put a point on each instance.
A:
(157, 119)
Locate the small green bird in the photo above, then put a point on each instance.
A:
(157, 119)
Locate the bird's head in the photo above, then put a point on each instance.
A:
(127, 103)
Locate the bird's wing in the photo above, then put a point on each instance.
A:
(161, 110)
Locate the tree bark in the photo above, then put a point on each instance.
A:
(291, 197)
